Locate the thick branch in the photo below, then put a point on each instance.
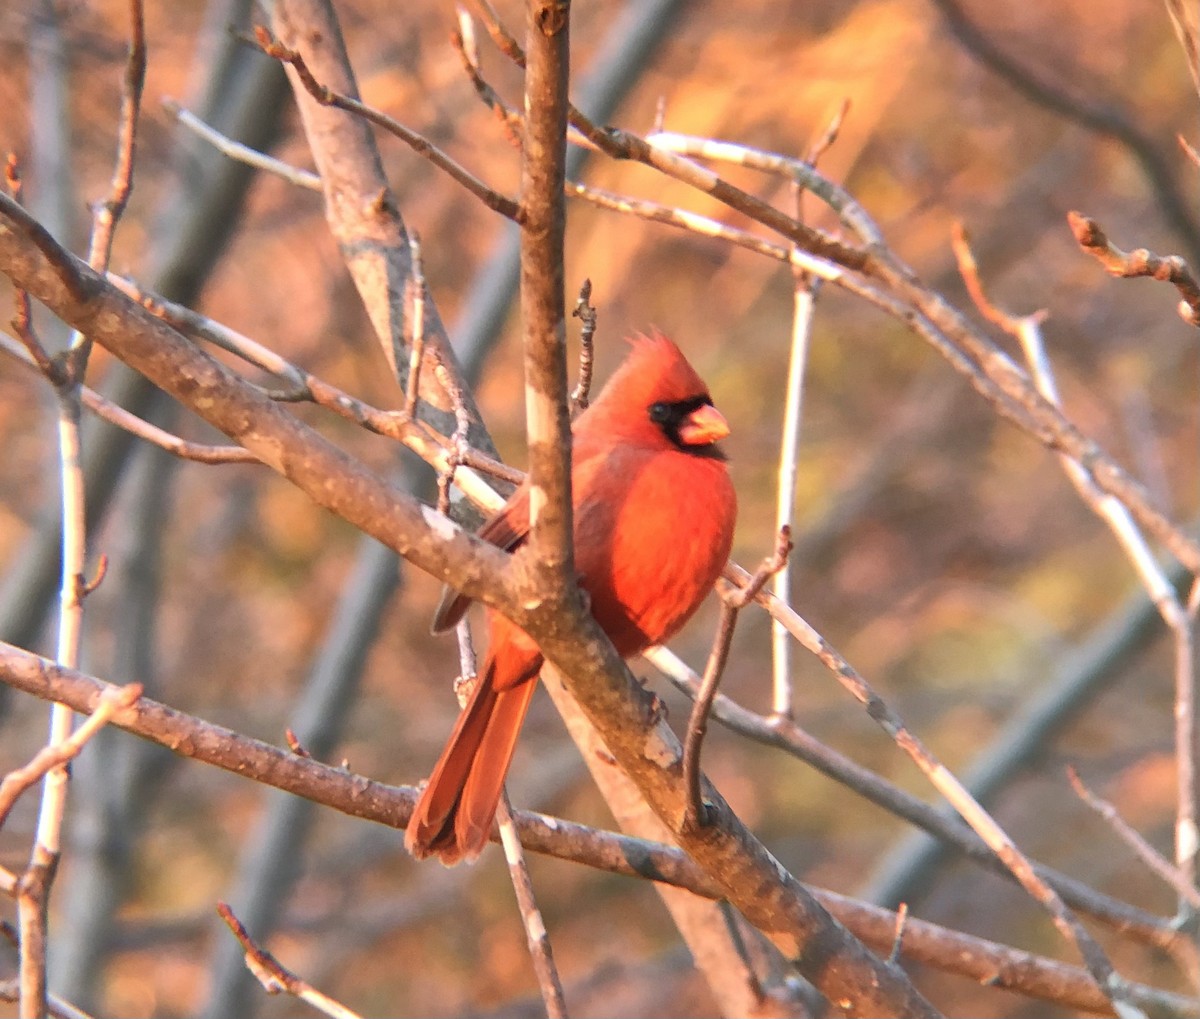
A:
(543, 304)
(360, 797)
(359, 205)
(327, 474)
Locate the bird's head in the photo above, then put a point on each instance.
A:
(657, 398)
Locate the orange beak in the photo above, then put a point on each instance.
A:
(703, 426)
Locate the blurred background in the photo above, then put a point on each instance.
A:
(941, 550)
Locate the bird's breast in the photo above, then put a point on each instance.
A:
(651, 542)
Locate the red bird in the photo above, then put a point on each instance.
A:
(654, 516)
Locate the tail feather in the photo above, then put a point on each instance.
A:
(453, 817)
(481, 792)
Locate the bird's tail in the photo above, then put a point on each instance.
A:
(453, 817)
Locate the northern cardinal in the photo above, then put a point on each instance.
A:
(654, 515)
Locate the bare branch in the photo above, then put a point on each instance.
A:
(418, 143)
(783, 734)
(242, 153)
(531, 917)
(543, 304)
(416, 286)
(988, 370)
(360, 208)
(944, 781)
(1183, 20)
(1103, 118)
(733, 600)
(1171, 269)
(119, 416)
(804, 294)
(358, 796)
(252, 419)
(1145, 852)
(275, 977)
(464, 42)
(56, 1007)
(108, 213)
(584, 311)
(804, 172)
(1027, 330)
(112, 701)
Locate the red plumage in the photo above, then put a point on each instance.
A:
(654, 516)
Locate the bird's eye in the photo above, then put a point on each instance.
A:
(660, 412)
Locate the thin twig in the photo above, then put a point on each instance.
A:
(22, 321)
(23, 318)
(359, 796)
(33, 352)
(1171, 269)
(1026, 329)
(242, 153)
(35, 883)
(143, 429)
(416, 286)
(56, 1007)
(683, 219)
(959, 798)
(192, 323)
(277, 978)
(495, 201)
(536, 938)
(459, 451)
(733, 600)
(825, 141)
(584, 311)
(819, 146)
(299, 385)
(20, 779)
(1183, 20)
(1150, 856)
(804, 295)
(107, 214)
(464, 42)
(901, 927)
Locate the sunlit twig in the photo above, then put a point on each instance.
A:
(733, 600)
(277, 978)
(584, 311)
(1150, 856)
(1027, 330)
(1171, 269)
(417, 142)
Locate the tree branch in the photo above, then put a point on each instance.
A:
(550, 555)
(364, 798)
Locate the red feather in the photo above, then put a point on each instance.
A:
(654, 516)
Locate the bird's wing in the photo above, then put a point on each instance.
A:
(507, 528)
